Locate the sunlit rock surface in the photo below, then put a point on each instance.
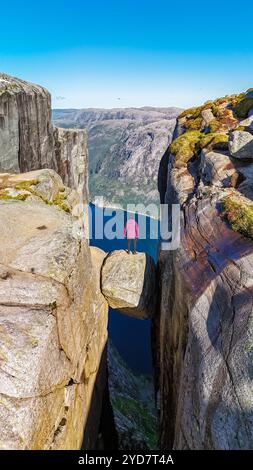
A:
(28, 140)
(71, 159)
(26, 132)
(53, 317)
(129, 283)
(204, 333)
(241, 145)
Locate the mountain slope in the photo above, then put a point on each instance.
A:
(125, 149)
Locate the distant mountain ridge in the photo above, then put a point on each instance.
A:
(81, 116)
(125, 149)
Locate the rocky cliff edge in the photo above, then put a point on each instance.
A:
(204, 332)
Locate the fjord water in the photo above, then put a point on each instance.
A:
(132, 337)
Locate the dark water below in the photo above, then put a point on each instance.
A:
(131, 337)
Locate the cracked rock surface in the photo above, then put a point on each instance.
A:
(53, 317)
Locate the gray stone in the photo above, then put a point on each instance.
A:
(241, 145)
(248, 122)
(26, 133)
(71, 159)
(203, 334)
(53, 316)
(28, 141)
(207, 115)
(128, 283)
(217, 168)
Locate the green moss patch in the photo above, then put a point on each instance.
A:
(243, 107)
(214, 105)
(145, 420)
(30, 186)
(184, 147)
(5, 196)
(194, 124)
(192, 113)
(239, 214)
(214, 125)
(191, 143)
(214, 141)
(26, 185)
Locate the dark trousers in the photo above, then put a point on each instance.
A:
(129, 244)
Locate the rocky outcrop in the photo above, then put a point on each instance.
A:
(241, 145)
(53, 318)
(29, 142)
(129, 283)
(26, 133)
(71, 159)
(204, 331)
(53, 323)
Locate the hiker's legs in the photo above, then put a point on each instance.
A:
(134, 241)
(128, 245)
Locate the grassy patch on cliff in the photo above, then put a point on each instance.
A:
(214, 141)
(213, 135)
(243, 107)
(191, 143)
(143, 418)
(184, 147)
(214, 106)
(239, 214)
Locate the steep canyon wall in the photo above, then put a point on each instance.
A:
(203, 335)
(53, 317)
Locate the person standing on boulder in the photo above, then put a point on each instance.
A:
(131, 232)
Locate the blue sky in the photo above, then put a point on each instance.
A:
(132, 53)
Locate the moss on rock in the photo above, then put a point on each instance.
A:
(27, 184)
(239, 214)
(184, 147)
(214, 141)
(243, 107)
(5, 196)
(192, 142)
(194, 124)
(146, 421)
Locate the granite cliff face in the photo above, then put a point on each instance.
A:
(70, 159)
(53, 317)
(25, 126)
(29, 141)
(125, 148)
(204, 331)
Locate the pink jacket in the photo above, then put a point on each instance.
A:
(131, 229)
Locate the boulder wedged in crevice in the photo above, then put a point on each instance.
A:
(128, 282)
